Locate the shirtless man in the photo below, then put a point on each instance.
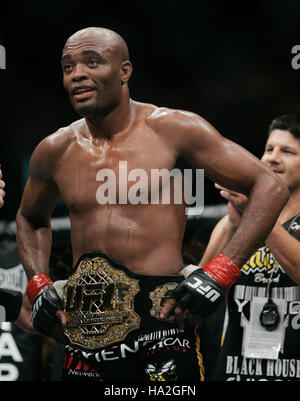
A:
(141, 240)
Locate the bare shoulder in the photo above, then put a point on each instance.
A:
(61, 139)
(51, 148)
(183, 128)
(177, 123)
(166, 118)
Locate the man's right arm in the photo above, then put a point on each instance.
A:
(34, 238)
(33, 218)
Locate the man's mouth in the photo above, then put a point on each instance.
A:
(82, 92)
(277, 171)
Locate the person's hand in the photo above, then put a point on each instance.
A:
(48, 315)
(24, 321)
(2, 192)
(187, 319)
(57, 332)
(203, 289)
(199, 293)
(236, 204)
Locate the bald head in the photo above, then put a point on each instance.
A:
(97, 60)
(106, 39)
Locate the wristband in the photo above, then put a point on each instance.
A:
(187, 270)
(222, 269)
(36, 285)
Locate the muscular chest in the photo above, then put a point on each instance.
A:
(128, 171)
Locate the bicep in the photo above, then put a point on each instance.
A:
(41, 192)
(223, 161)
(38, 200)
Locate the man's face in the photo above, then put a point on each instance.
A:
(91, 76)
(282, 155)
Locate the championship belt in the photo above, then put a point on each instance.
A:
(159, 297)
(99, 302)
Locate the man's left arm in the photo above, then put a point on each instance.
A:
(233, 167)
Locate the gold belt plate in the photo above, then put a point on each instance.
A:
(159, 297)
(99, 301)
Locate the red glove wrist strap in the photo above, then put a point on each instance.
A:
(223, 270)
(36, 284)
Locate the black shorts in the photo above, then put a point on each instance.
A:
(174, 357)
(156, 350)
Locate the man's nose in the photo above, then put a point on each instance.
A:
(79, 73)
(274, 156)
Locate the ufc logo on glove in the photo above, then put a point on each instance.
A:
(207, 291)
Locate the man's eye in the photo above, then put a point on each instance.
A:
(67, 67)
(93, 62)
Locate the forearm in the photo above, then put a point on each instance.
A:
(220, 236)
(34, 245)
(258, 219)
(286, 250)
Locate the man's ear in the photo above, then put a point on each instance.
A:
(125, 71)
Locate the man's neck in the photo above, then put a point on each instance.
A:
(114, 122)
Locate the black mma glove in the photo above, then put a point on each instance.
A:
(45, 301)
(204, 288)
(199, 293)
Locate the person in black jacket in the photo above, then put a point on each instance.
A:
(17, 307)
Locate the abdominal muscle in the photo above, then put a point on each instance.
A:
(147, 239)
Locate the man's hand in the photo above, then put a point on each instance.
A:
(48, 316)
(199, 293)
(236, 204)
(203, 289)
